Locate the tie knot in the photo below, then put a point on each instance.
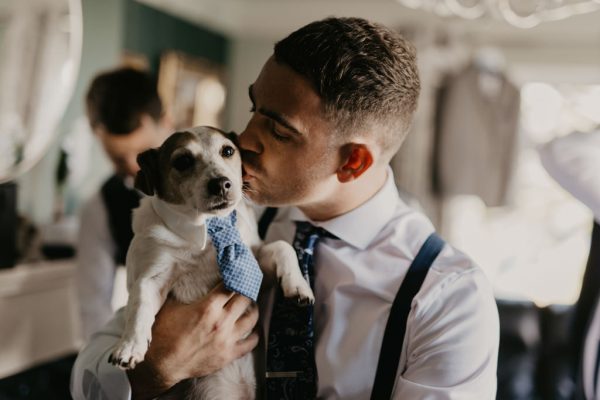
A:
(308, 235)
(217, 224)
(307, 228)
(223, 231)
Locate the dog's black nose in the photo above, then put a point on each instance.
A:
(219, 186)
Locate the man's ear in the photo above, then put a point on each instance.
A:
(147, 178)
(356, 159)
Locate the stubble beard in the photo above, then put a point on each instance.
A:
(280, 194)
(267, 196)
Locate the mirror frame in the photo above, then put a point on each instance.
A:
(73, 63)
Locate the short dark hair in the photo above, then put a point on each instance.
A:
(117, 100)
(365, 74)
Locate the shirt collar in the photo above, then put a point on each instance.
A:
(192, 231)
(360, 226)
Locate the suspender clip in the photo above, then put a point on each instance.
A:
(282, 374)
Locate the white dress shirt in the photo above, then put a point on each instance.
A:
(574, 162)
(451, 345)
(96, 266)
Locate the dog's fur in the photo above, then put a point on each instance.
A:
(193, 176)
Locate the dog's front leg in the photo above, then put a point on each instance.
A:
(279, 259)
(146, 296)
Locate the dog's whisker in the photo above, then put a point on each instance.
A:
(245, 194)
(247, 189)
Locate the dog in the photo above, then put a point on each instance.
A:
(193, 176)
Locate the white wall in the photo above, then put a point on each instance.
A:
(558, 63)
(554, 64)
(246, 59)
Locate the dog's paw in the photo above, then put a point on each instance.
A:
(299, 289)
(129, 353)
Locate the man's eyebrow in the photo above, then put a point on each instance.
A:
(280, 119)
(273, 114)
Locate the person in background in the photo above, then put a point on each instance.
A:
(574, 162)
(126, 114)
(329, 109)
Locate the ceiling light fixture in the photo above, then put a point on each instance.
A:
(520, 13)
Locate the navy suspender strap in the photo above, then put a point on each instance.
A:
(265, 220)
(393, 338)
(596, 370)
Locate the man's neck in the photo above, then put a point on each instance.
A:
(348, 196)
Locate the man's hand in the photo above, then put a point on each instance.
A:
(193, 340)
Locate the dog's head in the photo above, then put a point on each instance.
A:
(199, 170)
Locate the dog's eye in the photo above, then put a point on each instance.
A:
(183, 162)
(227, 151)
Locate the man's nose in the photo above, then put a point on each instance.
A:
(249, 139)
(131, 166)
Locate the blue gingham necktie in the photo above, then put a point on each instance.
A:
(291, 370)
(239, 268)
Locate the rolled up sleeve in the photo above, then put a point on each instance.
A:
(93, 378)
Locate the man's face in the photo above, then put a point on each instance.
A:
(288, 150)
(123, 149)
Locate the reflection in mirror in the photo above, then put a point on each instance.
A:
(40, 48)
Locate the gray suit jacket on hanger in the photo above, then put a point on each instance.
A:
(476, 137)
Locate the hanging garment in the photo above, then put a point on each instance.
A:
(476, 134)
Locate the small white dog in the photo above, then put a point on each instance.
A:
(193, 176)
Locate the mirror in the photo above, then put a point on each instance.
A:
(40, 50)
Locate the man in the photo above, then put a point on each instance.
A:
(126, 114)
(329, 109)
(574, 162)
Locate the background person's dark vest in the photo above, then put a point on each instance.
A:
(590, 292)
(119, 201)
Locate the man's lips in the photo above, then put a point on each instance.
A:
(247, 173)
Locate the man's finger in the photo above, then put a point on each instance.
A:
(219, 295)
(237, 305)
(170, 304)
(246, 345)
(248, 320)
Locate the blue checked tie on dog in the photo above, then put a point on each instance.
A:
(239, 268)
(291, 370)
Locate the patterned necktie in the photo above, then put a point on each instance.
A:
(291, 370)
(239, 268)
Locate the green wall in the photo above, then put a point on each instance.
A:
(112, 26)
(109, 28)
(150, 32)
(101, 49)
(103, 37)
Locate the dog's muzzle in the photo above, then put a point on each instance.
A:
(219, 186)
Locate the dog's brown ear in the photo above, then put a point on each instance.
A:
(147, 178)
(233, 137)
